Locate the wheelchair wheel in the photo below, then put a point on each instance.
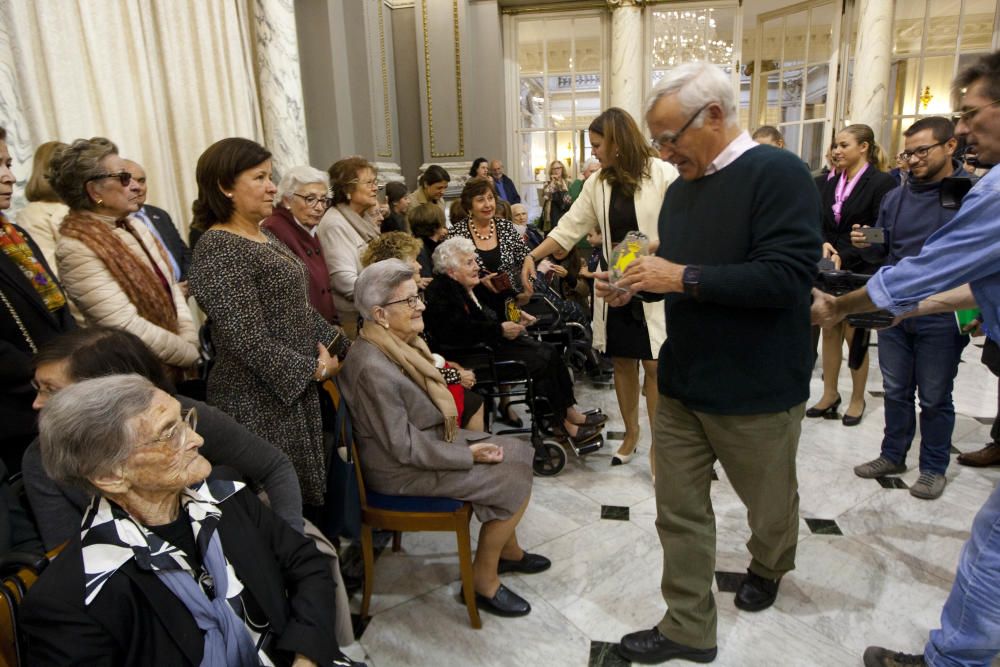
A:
(550, 459)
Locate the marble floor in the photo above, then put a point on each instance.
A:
(874, 569)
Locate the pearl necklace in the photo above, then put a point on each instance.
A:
(472, 228)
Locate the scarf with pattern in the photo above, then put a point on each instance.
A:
(14, 245)
(143, 283)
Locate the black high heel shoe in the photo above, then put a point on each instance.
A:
(829, 412)
(848, 420)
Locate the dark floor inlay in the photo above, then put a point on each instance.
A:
(729, 582)
(715, 475)
(823, 527)
(615, 435)
(614, 512)
(603, 654)
(877, 394)
(985, 421)
(891, 483)
(359, 624)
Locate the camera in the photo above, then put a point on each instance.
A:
(838, 283)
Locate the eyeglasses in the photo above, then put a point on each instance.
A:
(413, 302)
(920, 153)
(178, 433)
(312, 200)
(669, 138)
(123, 177)
(967, 115)
(369, 183)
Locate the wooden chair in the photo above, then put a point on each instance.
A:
(18, 572)
(414, 514)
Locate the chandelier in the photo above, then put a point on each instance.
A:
(686, 36)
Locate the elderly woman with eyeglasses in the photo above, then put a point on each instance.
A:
(301, 201)
(170, 566)
(409, 440)
(346, 229)
(114, 270)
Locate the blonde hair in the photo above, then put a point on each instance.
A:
(391, 245)
(39, 188)
(863, 134)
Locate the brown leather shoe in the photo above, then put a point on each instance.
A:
(987, 456)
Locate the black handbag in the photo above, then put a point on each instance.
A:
(991, 356)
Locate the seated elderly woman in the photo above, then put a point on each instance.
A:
(300, 202)
(455, 318)
(114, 269)
(409, 442)
(171, 566)
(95, 352)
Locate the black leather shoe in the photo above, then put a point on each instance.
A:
(850, 420)
(504, 602)
(650, 647)
(756, 592)
(829, 412)
(595, 419)
(529, 564)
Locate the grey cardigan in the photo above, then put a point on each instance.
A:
(59, 509)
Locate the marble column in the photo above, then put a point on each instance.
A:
(280, 83)
(872, 63)
(626, 56)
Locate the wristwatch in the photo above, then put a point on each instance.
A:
(691, 279)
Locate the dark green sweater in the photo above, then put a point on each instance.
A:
(743, 347)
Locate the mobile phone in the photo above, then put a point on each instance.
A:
(873, 234)
(338, 346)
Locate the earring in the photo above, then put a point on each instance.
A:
(99, 201)
(229, 194)
(348, 196)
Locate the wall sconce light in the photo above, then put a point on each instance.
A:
(926, 98)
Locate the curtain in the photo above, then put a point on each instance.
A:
(163, 79)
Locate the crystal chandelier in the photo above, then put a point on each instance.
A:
(686, 36)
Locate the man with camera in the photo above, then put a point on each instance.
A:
(956, 268)
(921, 354)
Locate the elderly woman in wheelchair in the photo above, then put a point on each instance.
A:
(456, 319)
(409, 440)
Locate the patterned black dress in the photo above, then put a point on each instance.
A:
(265, 335)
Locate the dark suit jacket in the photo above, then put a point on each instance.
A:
(16, 368)
(510, 190)
(171, 238)
(453, 319)
(136, 620)
(861, 208)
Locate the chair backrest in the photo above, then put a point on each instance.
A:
(362, 494)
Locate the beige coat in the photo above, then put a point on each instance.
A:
(41, 219)
(591, 209)
(102, 302)
(342, 247)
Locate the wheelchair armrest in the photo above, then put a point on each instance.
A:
(13, 561)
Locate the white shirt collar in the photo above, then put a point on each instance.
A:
(309, 230)
(730, 153)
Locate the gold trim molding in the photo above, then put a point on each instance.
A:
(458, 81)
(387, 116)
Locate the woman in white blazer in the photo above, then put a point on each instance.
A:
(112, 267)
(625, 195)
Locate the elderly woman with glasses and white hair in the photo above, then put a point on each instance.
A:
(300, 202)
(114, 270)
(171, 566)
(409, 440)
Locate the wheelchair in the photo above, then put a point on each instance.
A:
(508, 380)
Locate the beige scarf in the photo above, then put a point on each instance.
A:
(416, 361)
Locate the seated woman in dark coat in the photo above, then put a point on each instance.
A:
(409, 440)
(95, 352)
(169, 568)
(456, 318)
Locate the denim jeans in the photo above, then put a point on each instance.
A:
(970, 621)
(920, 357)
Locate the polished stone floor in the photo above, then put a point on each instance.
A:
(874, 564)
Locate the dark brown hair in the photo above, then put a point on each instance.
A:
(435, 173)
(941, 128)
(473, 188)
(425, 219)
(988, 68)
(632, 151)
(217, 168)
(344, 175)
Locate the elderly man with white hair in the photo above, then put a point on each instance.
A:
(300, 202)
(739, 243)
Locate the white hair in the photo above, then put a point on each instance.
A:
(377, 282)
(696, 85)
(591, 163)
(303, 174)
(447, 254)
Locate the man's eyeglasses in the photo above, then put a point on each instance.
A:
(919, 153)
(123, 177)
(312, 200)
(178, 433)
(412, 301)
(966, 115)
(669, 138)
